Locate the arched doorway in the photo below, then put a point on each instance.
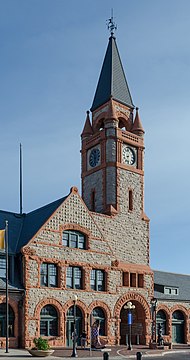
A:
(70, 325)
(98, 314)
(161, 320)
(178, 327)
(3, 320)
(137, 327)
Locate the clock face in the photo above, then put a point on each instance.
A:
(94, 157)
(129, 156)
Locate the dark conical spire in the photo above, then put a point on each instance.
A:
(87, 130)
(112, 81)
(137, 126)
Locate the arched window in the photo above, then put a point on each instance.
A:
(177, 316)
(48, 321)
(98, 314)
(161, 319)
(3, 321)
(74, 239)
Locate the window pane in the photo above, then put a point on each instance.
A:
(69, 278)
(48, 321)
(2, 267)
(93, 279)
(81, 242)
(43, 275)
(77, 272)
(65, 240)
(43, 328)
(52, 269)
(100, 280)
(53, 327)
(73, 240)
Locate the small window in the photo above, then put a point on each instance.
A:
(74, 239)
(133, 280)
(140, 281)
(93, 200)
(48, 275)
(74, 277)
(130, 200)
(97, 280)
(125, 279)
(171, 291)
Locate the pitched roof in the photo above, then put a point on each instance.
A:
(180, 281)
(112, 81)
(23, 227)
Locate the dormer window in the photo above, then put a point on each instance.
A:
(74, 239)
(171, 290)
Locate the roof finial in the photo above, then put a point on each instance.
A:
(111, 24)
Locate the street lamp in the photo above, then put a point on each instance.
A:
(74, 334)
(153, 305)
(129, 307)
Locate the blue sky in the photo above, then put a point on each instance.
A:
(51, 56)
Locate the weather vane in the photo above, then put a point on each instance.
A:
(111, 25)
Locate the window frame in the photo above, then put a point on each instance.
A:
(74, 270)
(48, 319)
(48, 275)
(69, 240)
(96, 279)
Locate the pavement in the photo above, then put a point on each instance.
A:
(115, 353)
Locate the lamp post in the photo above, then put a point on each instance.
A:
(129, 307)
(153, 306)
(74, 335)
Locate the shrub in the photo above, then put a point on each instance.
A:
(41, 344)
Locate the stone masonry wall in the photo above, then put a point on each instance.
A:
(94, 182)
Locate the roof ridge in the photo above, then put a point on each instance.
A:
(47, 205)
(170, 272)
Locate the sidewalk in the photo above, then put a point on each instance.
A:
(115, 353)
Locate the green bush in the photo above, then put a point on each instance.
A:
(41, 344)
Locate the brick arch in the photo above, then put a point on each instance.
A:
(131, 297)
(165, 309)
(107, 311)
(99, 122)
(14, 306)
(73, 226)
(76, 227)
(79, 303)
(58, 306)
(143, 311)
(102, 305)
(180, 308)
(125, 122)
(12, 303)
(168, 316)
(48, 301)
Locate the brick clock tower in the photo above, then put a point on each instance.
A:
(112, 143)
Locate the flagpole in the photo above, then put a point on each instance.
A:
(7, 284)
(20, 179)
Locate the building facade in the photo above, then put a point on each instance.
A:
(95, 246)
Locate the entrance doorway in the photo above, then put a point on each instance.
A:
(178, 327)
(70, 325)
(137, 327)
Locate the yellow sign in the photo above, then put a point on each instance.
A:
(2, 239)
